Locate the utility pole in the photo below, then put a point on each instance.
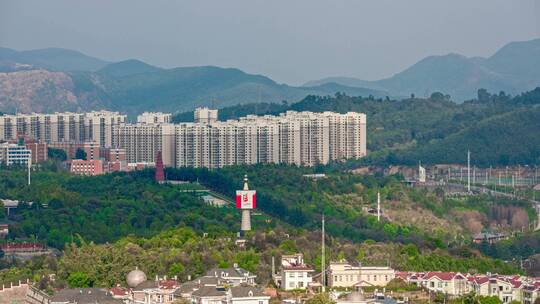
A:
(378, 206)
(469, 171)
(29, 165)
(323, 266)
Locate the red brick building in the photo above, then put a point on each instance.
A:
(87, 167)
(91, 149)
(39, 151)
(113, 154)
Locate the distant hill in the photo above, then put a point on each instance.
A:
(514, 68)
(127, 68)
(54, 59)
(186, 88)
(133, 86)
(510, 138)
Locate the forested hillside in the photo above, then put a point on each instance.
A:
(160, 228)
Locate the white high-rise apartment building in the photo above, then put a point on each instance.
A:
(205, 115)
(299, 138)
(100, 126)
(95, 126)
(143, 141)
(154, 117)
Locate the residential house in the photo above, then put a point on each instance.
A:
(498, 286)
(295, 274)
(450, 283)
(84, 296)
(233, 275)
(531, 293)
(247, 295)
(157, 291)
(209, 295)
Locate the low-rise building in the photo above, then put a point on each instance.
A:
(209, 295)
(342, 274)
(84, 295)
(86, 167)
(500, 287)
(295, 274)
(13, 154)
(531, 293)
(450, 283)
(489, 237)
(247, 295)
(233, 275)
(38, 149)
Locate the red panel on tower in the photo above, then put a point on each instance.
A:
(245, 199)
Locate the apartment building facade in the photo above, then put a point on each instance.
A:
(13, 154)
(95, 126)
(154, 117)
(298, 138)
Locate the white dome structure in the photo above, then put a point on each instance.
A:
(135, 277)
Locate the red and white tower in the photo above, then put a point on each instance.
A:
(246, 200)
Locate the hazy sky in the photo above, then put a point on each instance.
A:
(290, 41)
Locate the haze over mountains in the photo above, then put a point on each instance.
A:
(514, 68)
(55, 79)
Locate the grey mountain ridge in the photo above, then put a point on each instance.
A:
(514, 68)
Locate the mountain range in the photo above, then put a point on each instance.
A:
(63, 80)
(55, 79)
(514, 68)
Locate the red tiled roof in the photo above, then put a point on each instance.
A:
(481, 280)
(516, 283)
(402, 275)
(119, 291)
(443, 276)
(168, 284)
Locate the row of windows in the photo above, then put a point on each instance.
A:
(356, 278)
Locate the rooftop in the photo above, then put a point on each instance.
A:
(85, 296)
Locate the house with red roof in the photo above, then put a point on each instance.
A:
(506, 289)
(530, 293)
(450, 283)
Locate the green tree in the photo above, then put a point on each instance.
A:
(57, 154)
(321, 298)
(80, 154)
(79, 280)
(489, 300)
(176, 269)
